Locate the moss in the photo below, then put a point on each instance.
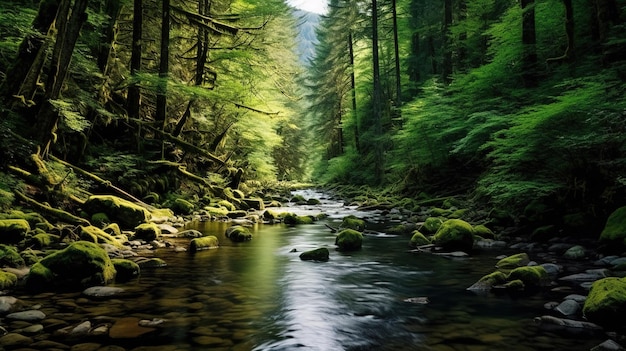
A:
(100, 219)
(113, 229)
(13, 230)
(97, 235)
(439, 212)
(238, 194)
(606, 302)
(299, 199)
(182, 206)
(292, 219)
(254, 203)
(531, 275)
(321, 254)
(515, 285)
(418, 239)
(31, 256)
(9, 257)
(614, 232)
(147, 231)
(238, 233)
(494, 278)
(227, 204)
(125, 213)
(313, 202)
(270, 215)
(458, 213)
(126, 269)
(237, 214)
(349, 240)
(513, 261)
(78, 265)
(7, 280)
(455, 234)
(352, 222)
(432, 224)
(42, 240)
(216, 211)
(153, 262)
(204, 243)
(484, 232)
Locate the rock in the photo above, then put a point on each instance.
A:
(254, 203)
(7, 280)
(86, 347)
(204, 243)
(418, 239)
(113, 229)
(513, 261)
(606, 302)
(9, 257)
(352, 222)
(190, 233)
(608, 345)
(292, 219)
(588, 276)
(573, 326)
(182, 206)
(12, 231)
(418, 300)
(102, 291)
(167, 229)
(153, 262)
(614, 233)
(128, 328)
(432, 224)
(551, 268)
(455, 234)
(27, 316)
(97, 235)
(532, 276)
(33, 329)
(81, 329)
(484, 232)
(7, 304)
(238, 233)
(147, 231)
(151, 322)
(514, 285)
(321, 254)
(488, 281)
(349, 240)
(568, 308)
(14, 340)
(575, 253)
(125, 213)
(126, 269)
(78, 265)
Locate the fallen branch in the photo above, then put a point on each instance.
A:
(53, 212)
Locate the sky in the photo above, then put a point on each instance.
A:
(317, 6)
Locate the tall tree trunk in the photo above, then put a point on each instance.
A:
(161, 103)
(569, 53)
(377, 97)
(433, 54)
(529, 42)
(202, 52)
(396, 53)
(133, 100)
(462, 52)
(446, 65)
(112, 10)
(353, 91)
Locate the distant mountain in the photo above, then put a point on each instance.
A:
(307, 38)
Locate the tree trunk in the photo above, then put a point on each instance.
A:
(353, 90)
(529, 42)
(133, 100)
(462, 52)
(446, 65)
(161, 103)
(569, 53)
(396, 54)
(112, 10)
(202, 52)
(377, 97)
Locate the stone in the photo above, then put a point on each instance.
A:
(27, 316)
(153, 262)
(568, 308)
(614, 233)
(14, 340)
(432, 224)
(562, 324)
(204, 243)
(352, 222)
(7, 304)
(321, 254)
(126, 269)
(167, 228)
(455, 234)
(293, 219)
(606, 302)
(147, 231)
(128, 328)
(33, 329)
(608, 345)
(103, 291)
(575, 253)
(91, 346)
(190, 233)
(513, 261)
(238, 233)
(484, 232)
(418, 239)
(9, 257)
(125, 213)
(12, 231)
(97, 235)
(81, 329)
(7, 280)
(349, 240)
(532, 276)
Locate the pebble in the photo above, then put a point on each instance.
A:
(128, 328)
(7, 304)
(608, 345)
(28, 316)
(102, 291)
(13, 340)
(568, 308)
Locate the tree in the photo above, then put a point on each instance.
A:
(529, 41)
(133, 100)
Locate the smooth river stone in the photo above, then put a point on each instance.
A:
(28, 316)
(102, 291)
(90, 346)
(13, 340)
(128, 328)
(7, 303)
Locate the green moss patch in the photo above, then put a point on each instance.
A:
(292, 219)
(455, 234)
(321, 254)
(238, 233)
(126, 269)
(7, 280)
(352, 222)
(606, 302)
(125, 213)
(13, 231)
(418, 239)
(204, 243)
(432, 224)
(513, 261)
(614, 232)
(532, 276)
(349, 240)
(147, 231)
(9, 257)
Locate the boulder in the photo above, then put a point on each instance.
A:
(488, 281)
(321, 254)
(238, 233)
(126, 269)
(147, 231)
(349, 240)
(96, 235)
(182, 206)
(254, 203)
(9, 257)
(606, 302)
(125, 213)
(432, 224)
(575, 253)
(418, 239)
(13, 231)
(204, 243)
(484, 232)
(7, 280)
(78, 265)
(613, 235)
(513, 261)
(292, 219)
(532, 276)
(455, 234)
(352, 222)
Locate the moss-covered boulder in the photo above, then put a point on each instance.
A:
(606, 302)
(227, 204)
(455, 234)
(515, 285)
(204, 243)
(352, 222)
(79, 265)
(9, 257)
(513, 261)
(12, 231)
(613, 235)
(489, 281)
(147, 231)
(418, 239)
(270, 215)
(125, 213)
(100, 219)
(96, 235)
(293, 219)
(238, 233)
(254, 203)
(126, 269)
(321, 254)
(483, 232)
(182, 206)
(432, 224)
(349, 240)
(7, 280)
(440, 212)
(42, 240)
(532, 276)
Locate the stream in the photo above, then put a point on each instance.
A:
(259, 295)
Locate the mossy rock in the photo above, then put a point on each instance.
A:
(515, 285)
(182, 206)
(152, 262)
(126, 269)
(31, 256)
(125, 213)
(614, 233)
(270, 215)
(544, 233)
(606, 302)
(432, 224)
(237, 214)
(298, 199)
(439, 212)
(100, 219)
(455, 234)
(227, 204)
(34, 219)
(9, 257)
(254, 203)
(292, 219)
(79, 265)
(418, 239)
(238, 233)
(484, 232)
(96, 235)
(12, 231)
(532, 276)
(460, 213)
(147, 231)
(42, 240)
(216, 211)
(321, 254)
(352, 222)
(204, 243)
(349, 240)
(313, 202)
(514, 261)
(7, 280)
(238, 194)
(489, 281)
(113, 229)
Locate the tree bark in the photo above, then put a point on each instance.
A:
(133, 100)
(396, 53)
(569, 53)
(353, 91)
(161, 102)
(446, 65)
(377, 96)
(529, 42)
(112, 10)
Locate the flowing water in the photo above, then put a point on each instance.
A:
(259, 295)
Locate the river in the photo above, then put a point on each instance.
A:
(258, 295)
